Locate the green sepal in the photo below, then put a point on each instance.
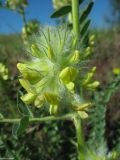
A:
(40, 100)
(25, 84)
(51, 98)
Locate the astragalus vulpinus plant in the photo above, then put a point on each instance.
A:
(57, 73)
(57, 76)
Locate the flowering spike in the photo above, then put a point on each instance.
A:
(51, 76)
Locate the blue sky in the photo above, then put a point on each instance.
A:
(11, 22)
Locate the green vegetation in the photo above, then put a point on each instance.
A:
(28, 121)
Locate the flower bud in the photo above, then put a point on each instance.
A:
(88, 51)
(53, 109)
(68, 74)
(75, 57)
(25, 84)
(30, 74)
(82, 114)
(93, 85)
(3, 72)
(116, 71)
(39, 101)
(28, 98)
(92, 40)
(89, 76)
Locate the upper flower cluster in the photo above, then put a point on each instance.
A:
(55, 72)
(15, 4)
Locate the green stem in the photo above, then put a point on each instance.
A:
(76, 120)
(24, 20)
(43, 119)
(75, 15)
(80, 138)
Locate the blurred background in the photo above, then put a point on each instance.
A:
(48, 141)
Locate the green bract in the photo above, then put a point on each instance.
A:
(53, 73)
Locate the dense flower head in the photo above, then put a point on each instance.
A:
(55, 72)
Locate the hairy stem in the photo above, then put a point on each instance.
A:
(43, 119)
(80, 138)
(76, 120)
